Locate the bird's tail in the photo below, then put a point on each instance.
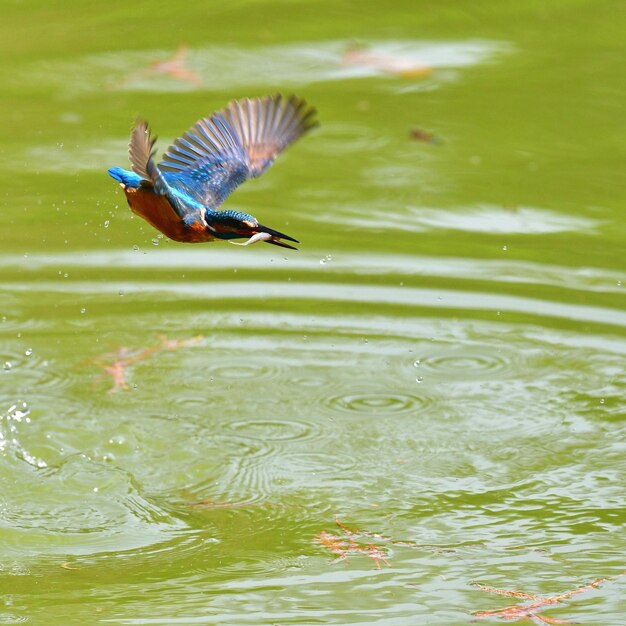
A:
(128, 179)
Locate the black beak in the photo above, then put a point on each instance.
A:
(276, 237)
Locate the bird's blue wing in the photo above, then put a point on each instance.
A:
(141, 151)
(239, 142)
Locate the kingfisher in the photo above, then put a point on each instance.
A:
(182, 195)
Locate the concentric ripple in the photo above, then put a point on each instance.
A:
(465, 365)
(29, 368)
(11, 618)
(111, 511)
(267, 430)
(378, 403)
(242, 371)
(413, 420)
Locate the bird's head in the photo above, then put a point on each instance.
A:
(231, 225)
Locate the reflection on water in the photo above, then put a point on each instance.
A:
(223, 259)
(485, 219)
(223, 68)
(354, 293)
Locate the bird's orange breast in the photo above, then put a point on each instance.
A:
(157, 210)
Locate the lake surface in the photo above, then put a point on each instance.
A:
(417, 418)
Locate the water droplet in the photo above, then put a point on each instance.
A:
(66, 275)
(7, 366)
(106, 223)
(419, 379)
(155, 241)
(619, 283)
(326, 259)
(504, 248)
(83, 310)
(136, 248)
(417, 363)
(601, 400)
(28, 351)
(121, 292)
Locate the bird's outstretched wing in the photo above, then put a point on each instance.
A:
(241, 141)
(141, 151)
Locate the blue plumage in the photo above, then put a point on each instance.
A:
(129, 179)
(181, 196)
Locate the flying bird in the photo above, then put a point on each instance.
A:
(182, 195)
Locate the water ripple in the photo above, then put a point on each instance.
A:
(356, 293)
(467, 364)
(482, 219)
(242, 371)
(204, 454)
(378, 403)
(267, 430)
(494, 270)
(111, 514)
(12, 618)
(29, 369)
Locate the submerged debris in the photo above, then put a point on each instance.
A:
(116, 364)
(384, 62)
(173, 67)
(419, 134)
(66, 565)
(532, 610)
(342, 547)
(349, 543)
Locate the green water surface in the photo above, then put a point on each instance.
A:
(434, 383)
